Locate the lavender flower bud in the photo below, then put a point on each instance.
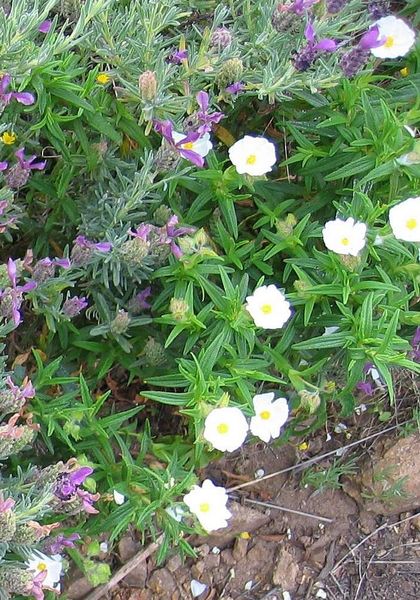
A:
(10, 445)
(379, 8)
(121, 322)
(334, 6)
(283, 19)
(133, 252)
(162, 214)
(221, 38)
(305, 58)
(353, 61)
(7, 525)
(73, 306)
(25, 535)
(43, 271)
(154, 353)
(148, 86)
(166, 158)
(81, 256)
(178, 308)
(15, 580)
(230, 71)
(17, 176)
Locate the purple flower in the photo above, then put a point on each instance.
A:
(57, 545)
(83, 242)
(6, 96)
(74, 306)
(87, 500)
(299, 6)
(68, 483)
(366, 387)
(178, 56)
(142, 231)
(14, 294)
(355, 59)
(309, 53)
(165, 128)
(36, 590)
(140, 299)
(171, 232)
(235, 88)
(205, 118)
(28, 164)
(3, 166)
(371, 39)
(45, 26)
(6, 505)
(21, 394)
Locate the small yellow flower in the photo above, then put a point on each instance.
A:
(8, 138)
(103, 79)
(404, 72)
(245, 535)
(303, 446)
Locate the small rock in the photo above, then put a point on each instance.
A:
(174, 563)
(240, 549)
(212, 561)
(197, 588)
(162, 583)
(286, 571)
(321, 594)
(198, 569)
(127, 548)
(79, 588)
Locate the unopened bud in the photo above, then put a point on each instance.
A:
(285, 226)
(133, 252)
(309, 401)
(148, 86)
(154, 352)
(230, 71)
(121, 322)
(283, 19)
(350, 262)
(301, 287)
(166, 158)
(221, 38)
(329, 387)
(162, 215)
(179, 308)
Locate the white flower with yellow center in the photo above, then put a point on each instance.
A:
(270, 416)
(404, 219)
(225, 428)
(253, 155)
(268, 307)
(202, 146)
(52, 565)
(344, 237)
(208, 504)
(397, 35)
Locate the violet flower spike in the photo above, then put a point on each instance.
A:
(68, 483)
(5, 96)
(299, 6)
(206, 118)
(141, 298)
(16, 291)
(178, 56)
(28, 163)
(235, 88)
(172, 232)
(83, 242)
(45, 26)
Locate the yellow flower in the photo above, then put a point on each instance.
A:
(8, 138)
(404, 72)
(103, 78)
(244, 535)
(303, 446)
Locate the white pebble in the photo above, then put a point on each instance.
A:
(287, 596)
(248, 585)
(215, 550)
(259, 473)
(197, 588)
(321, 594)
(103, 546)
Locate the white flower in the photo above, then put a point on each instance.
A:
(253, 155)
(52, 565)
(344, 237)
(404, 219)
(268, 307)
(202, 146)
(270, 415)
(119, 498)
(398, 37)
(208, 503)
(226, 428)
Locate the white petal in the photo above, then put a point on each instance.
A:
(197, 588)
(119, 498)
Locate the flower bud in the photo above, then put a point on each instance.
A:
(301, 287)
(133, 252)
(148, 86)
(350, 262)
(16, 580)
(121, 322)
(154, 352)
(166, 158)
(162, 215)
(329, 387)
(379, 8)
(25, 535)
(283, 19)
(309, 401)
(7, 525)
(178, 308)
(221, 38)
(334, 6)
(285, 226)
(230, 71)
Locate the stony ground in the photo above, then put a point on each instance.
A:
(271, 554)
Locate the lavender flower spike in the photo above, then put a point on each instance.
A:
(309, 53)
(12, 297)
(74, 306)
(206, 119)
(68, 483)
(235, 88)
(178, 56)
(83, 242)
(57, 545)
(354, 60)
(45, 26)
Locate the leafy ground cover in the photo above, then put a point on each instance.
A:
(210, 227)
